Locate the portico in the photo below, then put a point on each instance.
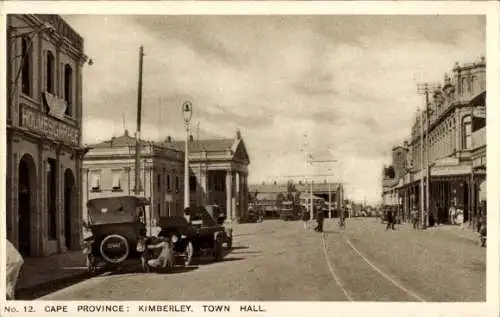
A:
(219, 174)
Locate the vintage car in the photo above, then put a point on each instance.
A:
(116, 225)
(255, 214)
(289, 211)
(198, 233)
(217, 213)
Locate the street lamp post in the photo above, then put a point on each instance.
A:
(187, 111)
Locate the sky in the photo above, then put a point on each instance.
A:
(340, 88)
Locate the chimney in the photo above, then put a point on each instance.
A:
(169, 139)
(126, 132)
(238, 134)
(191, 139)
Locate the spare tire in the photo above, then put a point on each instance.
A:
(114, 248)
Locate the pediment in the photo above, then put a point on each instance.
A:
(240, 153)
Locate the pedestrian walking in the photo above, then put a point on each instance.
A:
(305, 217)
(320, 218)
(414, 218)
(390, 220)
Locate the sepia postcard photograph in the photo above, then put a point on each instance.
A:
(169, 158)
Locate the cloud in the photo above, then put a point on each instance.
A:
(333, 86)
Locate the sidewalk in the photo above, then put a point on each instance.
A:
(38, 271)
(458, 231)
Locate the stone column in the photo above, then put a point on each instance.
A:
(229, 195)
(238, 194)
(245, 194)
(61, 246)
(42, 210)
(77, 223)
(14, 189)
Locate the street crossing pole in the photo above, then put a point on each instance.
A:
(138, 184)
(425, 90)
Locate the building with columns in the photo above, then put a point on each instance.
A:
(448, 144)
(45, 57)
(109, 170)
(218, 173)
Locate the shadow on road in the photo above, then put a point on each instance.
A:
(40, 290)
(240, 248)
(247, 252)
(208, 261)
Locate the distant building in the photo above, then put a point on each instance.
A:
(322, 191)
(45, 57)
(109, 170)
(455, 146)
(218, 173)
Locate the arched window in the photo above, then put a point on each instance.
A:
(26, 67)
(68, 89)
(466, 133)
(50, 72)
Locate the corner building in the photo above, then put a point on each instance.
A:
(45, 57)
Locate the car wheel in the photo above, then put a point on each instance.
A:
(218, 251)
(229, 238)
(188, 254)
(114, 241)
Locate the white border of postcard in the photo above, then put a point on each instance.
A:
(489, 8)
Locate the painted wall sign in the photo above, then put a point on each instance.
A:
(57, 107)
(49, 127)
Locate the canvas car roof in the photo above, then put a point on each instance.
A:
(118, 209)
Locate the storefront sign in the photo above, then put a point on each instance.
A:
(49, 127)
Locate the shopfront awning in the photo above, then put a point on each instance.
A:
(452, 170)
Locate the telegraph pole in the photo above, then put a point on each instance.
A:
(138, 185)
(425, 89)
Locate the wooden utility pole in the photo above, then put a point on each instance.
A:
(425, 89)
(138, 185)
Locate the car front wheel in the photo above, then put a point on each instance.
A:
(188, 254)
(218, 251)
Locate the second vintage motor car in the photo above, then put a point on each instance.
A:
(202, 234)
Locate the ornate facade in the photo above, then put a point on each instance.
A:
(453, 148)
(45, 57)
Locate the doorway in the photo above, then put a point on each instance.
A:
(69, 185)
(25, 197)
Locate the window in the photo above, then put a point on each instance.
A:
(168, 183)
(50, 73)
(117, 181)
(95, 184)
(177, 184)
(466, 133)
(26, 67)
(158, 182)
(68, 89)
(462, 85)
(192, 183)
(470, 86)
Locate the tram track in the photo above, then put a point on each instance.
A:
(359, 278)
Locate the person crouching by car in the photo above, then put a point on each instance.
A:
(13, 267)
